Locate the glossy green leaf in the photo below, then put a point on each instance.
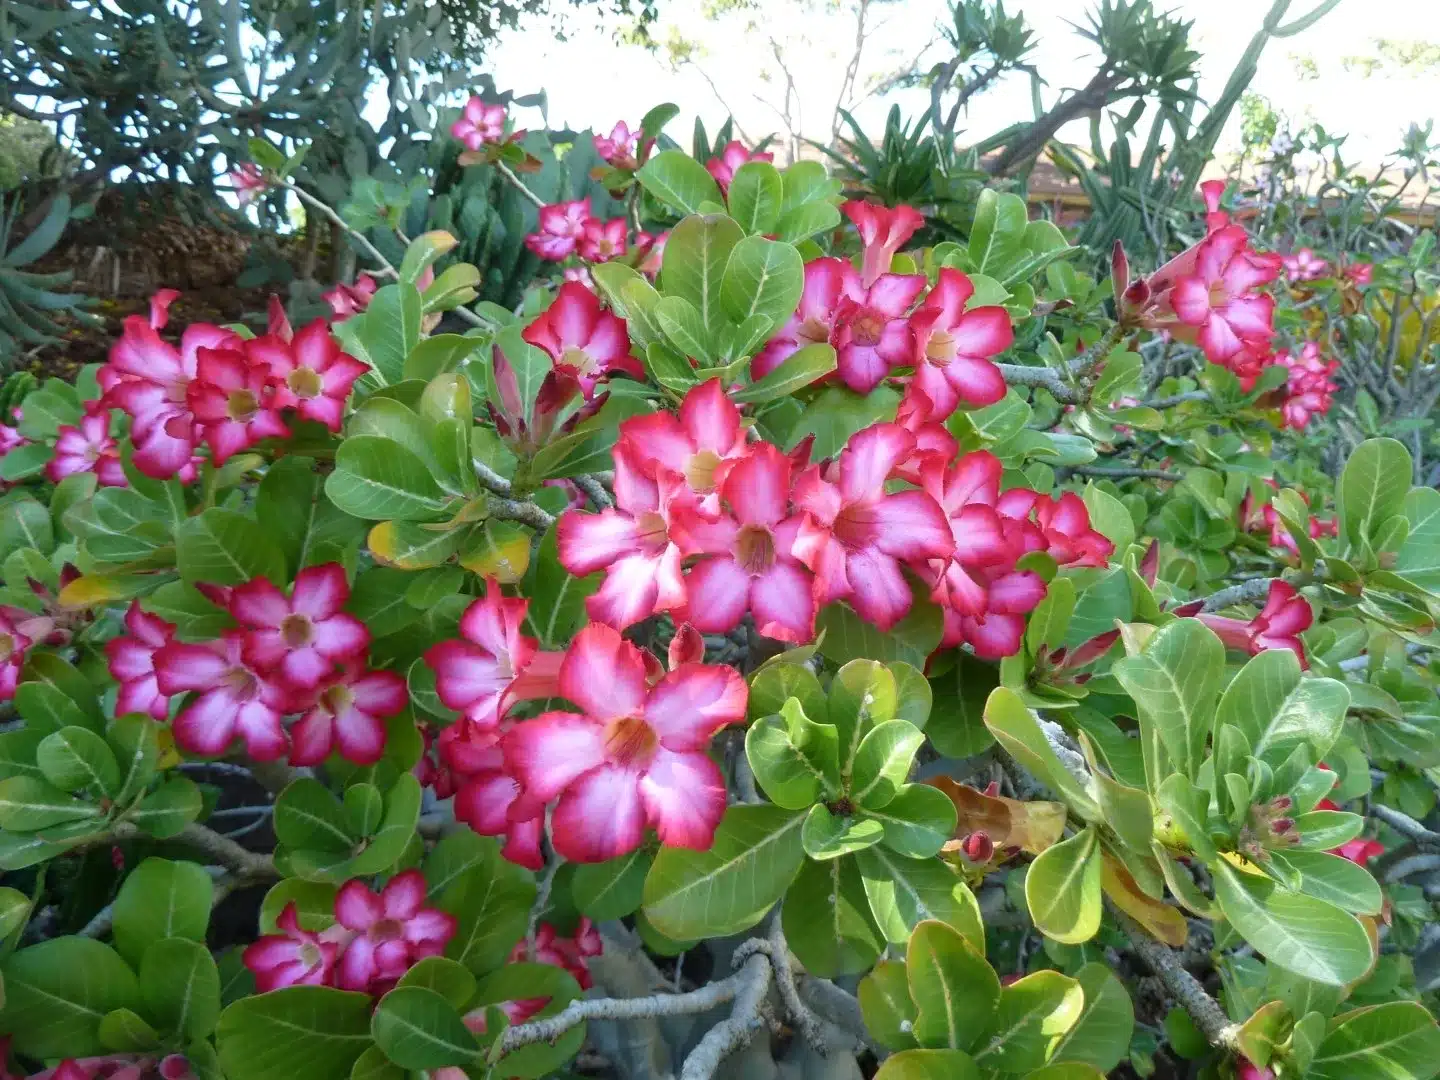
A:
(75, 758)
(1101, 1035)
(827, 922)
(161, 898)
(419, 1029)
(764, 278)
(905, 892)
(1372, 487)
(754, 198)
(826, 835)
(57, 992)
(310, 1031)
(693, 265)
(883, 762)
(1174, 682)
(221, 547)
(679, 181)
(1033, 1013)
(1062, 889)
(1395, 1041)
(180, 986)
(1278, 707)
(886, 1005)
(797, 371)
(955, 990)
(611, 889)
(917, 821)
(928, 1065)
(380, 480)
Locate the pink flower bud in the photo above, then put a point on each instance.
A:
(978, 847)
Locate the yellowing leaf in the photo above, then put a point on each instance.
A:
(1163, 922)
(1031, 826)
(502, 551)
(169, 756)
(93, 590)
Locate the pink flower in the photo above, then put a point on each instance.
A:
(871, 336)
(293, 957)
(479, 124)
(10, 438)
(933, 440)
(585, 341)
(347, 300)
(303, 638)
(1309, 388)
(234, 401)
(492, 664)
(601, 241)
(1244, 1070)
(580, 275)
(315, 376)
(953, 346)
(393, 930)
(568, 954)
(349, 717)
(1211, 291)
(635, 755)
(1215, 218)
(1360, 850)
(234, 698)
(561, 226)
(734, 155)
(1304, 265)
(14, 645)
(814, 318)
(249, 183)
(632, 543)
(1284, 617)
(650, 252)
(747, 564)
(1359, 273)
(621, 149)
(699, 444)
(87, 448)
(883, 231)
(132, 663)
(855, 535)
(492, 803)
(1064, 525)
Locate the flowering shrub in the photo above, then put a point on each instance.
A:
(881, 611)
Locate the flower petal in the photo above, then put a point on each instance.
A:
(356, 907)
(599, 817)
(684, 798)
(719, 592)
(548, 752)
(589, 542)
(693, 702)
(604, 674)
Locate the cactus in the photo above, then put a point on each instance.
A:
(26, 299)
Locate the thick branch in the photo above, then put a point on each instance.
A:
(1126, 474)
(1095, 95)
(1072, 384)
(594, 491)
(745, 1020)
(526, 513)
(222, 851)
(805, 1021)
(1177, 399)
(1425, 839)
(1253, 591)
(1209, 1017)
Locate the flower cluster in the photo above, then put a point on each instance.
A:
(1304, 265)
(376, 938)
(622, 148)
(347, 300)
(220, 389)
(1308, 388)
(569, 228)
(88, 447)
(1254, 518)
(296, 654)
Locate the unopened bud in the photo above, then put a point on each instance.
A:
(1137, 296)
(1119, 269)
(1282, 826)
(978, 847)
(992, 789)
(1281, 804)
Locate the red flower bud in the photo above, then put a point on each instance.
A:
(978, 847)
(1119, 270)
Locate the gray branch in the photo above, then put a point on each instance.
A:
(594, 491)
(1072, 384)
(745, 1020)
(1425, 839)
(1209, 1017)
(246, 865)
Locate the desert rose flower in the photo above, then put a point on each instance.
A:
(585, 341)
(131, 659)
(1278, 625)
(1244, 1070)
(349, 717)
(234, 402)
(699, 444)
(1215, 218)
(315, 376)
(1308, 389)
(746, 563)
(621, 148)
(632, 543)
(601, 241)
(249, 183)
(650, 252)
(883, 231)
(492, 803)
(735, 154)
(233, 698)
(492, 663)
(479, 124)
(953, 346)
(303, 637)
(871, 336)
(570, 954)
(1304, 265)
(635, 756)
(293, 957)
(1211, 290)
(1063, 524)
(561, 226)
(393, 930)
(14, 645)
(1359, 273)
(855, 534)
(1360, 850)
(814, 318)
(348, 300)
(87, 448)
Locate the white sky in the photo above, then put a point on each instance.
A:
(592, 83)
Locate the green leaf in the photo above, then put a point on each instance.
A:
(1188, 806)
(996, 233)
(402, 812)
(134, 743)
(1174, 682)
(419, 1029)
(379, 480)
(1372, 487)
(764, 278)
(1297, 932)
(1101, 1036)
(797, 371)
(1278, 707)
(828, 836)
(806, 220)
(1395, 1041)
(1062, 889)
(1336, 880)
(453, 981)
(694, 262)
(306, 527)
(221, 547)
(59, 674)
(955, 991)
(491, 903)
(886, 1005)
(14, 910)
(25, 523)
(684, 328)
(161, 899)
(775, 683)
(57, 992)
(905, 892)
(957, 719)
(310, 1031)
(47, 709)
(1018, 730)
(169, 808)
(611, 889)
(383, 335)
(928, 1065)
(1033, 1013)
(917, 821)
(696, 894)
(826, 919)
(517, 982)
(28, 804)
(786, 776)
(911, 640)
(1418, 560)
(679, 181)
(180, 986)
(308, 816)
(836, 413)
(755, 194)
(126, 1031)
(883, 762)
(75, 757)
